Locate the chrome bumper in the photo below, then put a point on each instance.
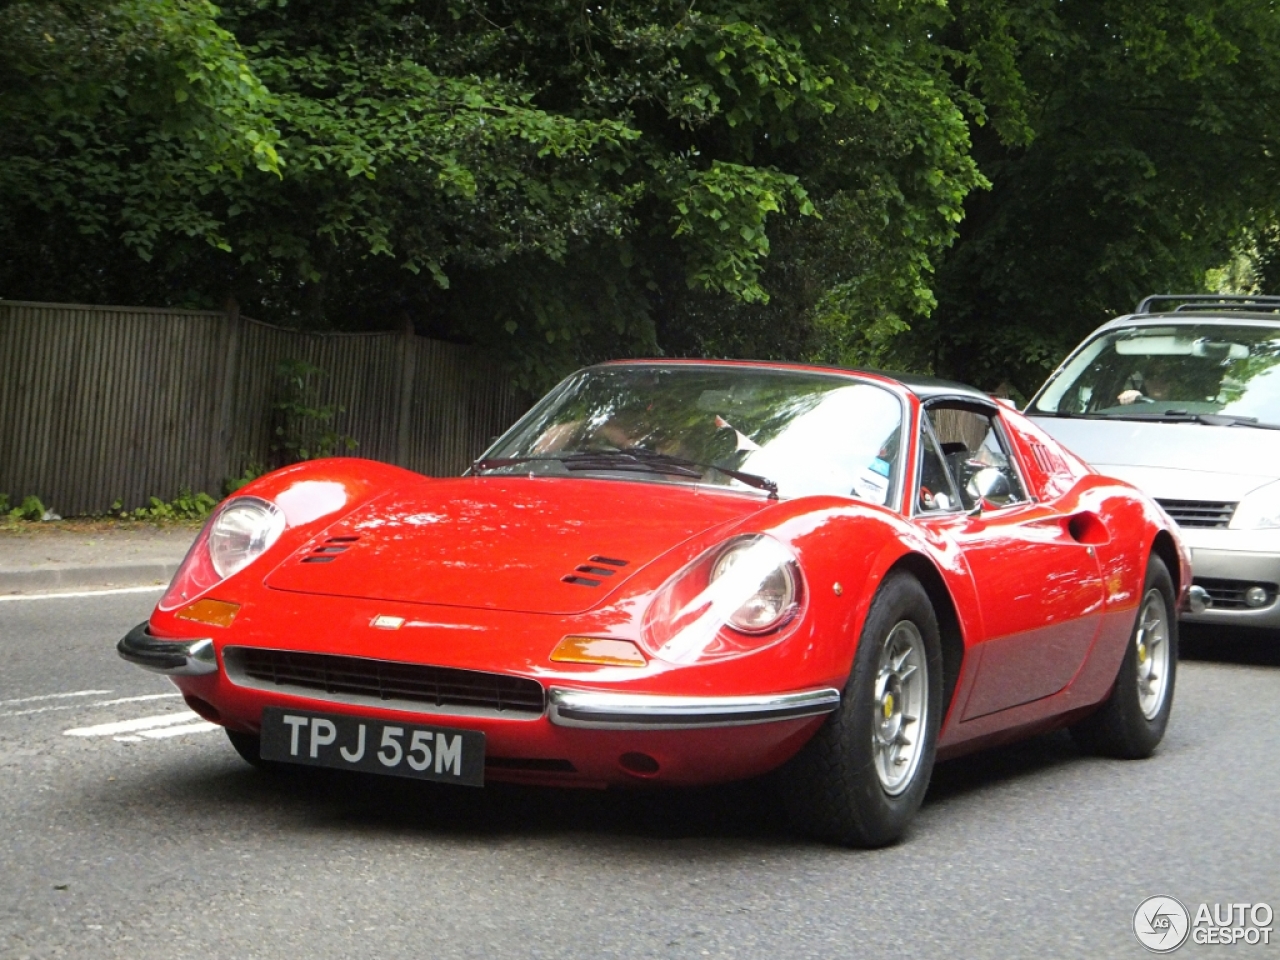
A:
(634, 711)
(173, 657)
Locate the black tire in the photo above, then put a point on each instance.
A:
(248, 745)
(1123, 727)
(834, 788)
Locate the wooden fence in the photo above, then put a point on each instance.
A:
(99, 404)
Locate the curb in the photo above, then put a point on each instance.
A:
(60, 578)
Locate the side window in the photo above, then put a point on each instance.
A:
(972, 448)
(937, 492)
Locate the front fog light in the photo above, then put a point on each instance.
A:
(1256, 597)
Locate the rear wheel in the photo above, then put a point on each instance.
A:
(863, 776)
(1131, 722)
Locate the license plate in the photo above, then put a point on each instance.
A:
(373, 746)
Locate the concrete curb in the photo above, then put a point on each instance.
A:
(40, 579)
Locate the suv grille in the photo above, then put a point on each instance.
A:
(1199, 513)
(400, 686)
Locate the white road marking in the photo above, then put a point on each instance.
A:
(133, 726)
(53, 696)
(201, 726)
(86, 706)
(149, 696)
(106, 592)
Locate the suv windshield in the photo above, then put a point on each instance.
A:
(747, 428)
(1182, 368)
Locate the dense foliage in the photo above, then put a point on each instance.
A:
(568, 181)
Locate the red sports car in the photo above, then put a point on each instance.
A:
(687, 573)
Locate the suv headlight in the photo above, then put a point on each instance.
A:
(1259, 510)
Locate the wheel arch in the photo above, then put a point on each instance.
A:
(1164, 548)
(952, 639)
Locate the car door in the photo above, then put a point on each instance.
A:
(1040, 591)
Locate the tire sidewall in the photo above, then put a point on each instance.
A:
(1146, 734)
(885, 816)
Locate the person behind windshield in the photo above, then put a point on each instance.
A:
(1154, 386)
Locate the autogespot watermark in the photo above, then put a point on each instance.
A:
(1163, 924)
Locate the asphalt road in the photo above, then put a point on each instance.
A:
(153, 839)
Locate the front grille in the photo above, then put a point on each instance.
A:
(1199, 513)
(1229, 594)
(403, 686)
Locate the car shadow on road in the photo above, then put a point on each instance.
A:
(1249, 648)
(299, 799)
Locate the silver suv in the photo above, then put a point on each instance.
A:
(1182, 399)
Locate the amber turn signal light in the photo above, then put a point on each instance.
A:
(603, 651)
(219, 613)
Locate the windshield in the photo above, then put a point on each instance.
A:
(1184, 368)
(803, 433)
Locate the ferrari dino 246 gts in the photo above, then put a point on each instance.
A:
(687, 573)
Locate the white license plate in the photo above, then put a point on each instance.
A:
(373, 746)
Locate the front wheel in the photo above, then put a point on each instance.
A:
(1131, 722)
(863, 776)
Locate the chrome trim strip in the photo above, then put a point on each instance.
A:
(636, 711)
(177, 657)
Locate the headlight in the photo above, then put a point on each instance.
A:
(733, 599)
(762, 571)
(1259, 510)
(241, 533)
(238, 533)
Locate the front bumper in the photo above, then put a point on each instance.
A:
(623, 711)
(188, 658)
(1226, 572)
(586, 737)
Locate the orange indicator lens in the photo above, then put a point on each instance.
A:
(604, 651)
(215, 612)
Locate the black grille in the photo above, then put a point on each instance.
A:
(404, 685)
(1199, 513)
(1229, 594)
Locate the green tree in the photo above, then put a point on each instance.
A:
(563, 181)
(1153, 158)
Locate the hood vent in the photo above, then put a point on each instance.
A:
(328, 551)
(594, 571)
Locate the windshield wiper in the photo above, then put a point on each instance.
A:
(635, 458)
(750, 479)
(1174, 415)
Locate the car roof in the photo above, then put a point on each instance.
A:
(925, 388)
(1226, 318)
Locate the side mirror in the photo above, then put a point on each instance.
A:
(988, 486)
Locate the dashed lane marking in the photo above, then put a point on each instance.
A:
(141, 725)
(54, 696)
(201, 726)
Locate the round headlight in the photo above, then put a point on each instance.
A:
(241, 533)
(763, 572)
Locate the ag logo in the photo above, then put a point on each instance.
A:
(1162, 924)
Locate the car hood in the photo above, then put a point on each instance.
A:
(544, 545)
(1174, 461)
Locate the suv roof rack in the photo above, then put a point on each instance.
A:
(1198, 302)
